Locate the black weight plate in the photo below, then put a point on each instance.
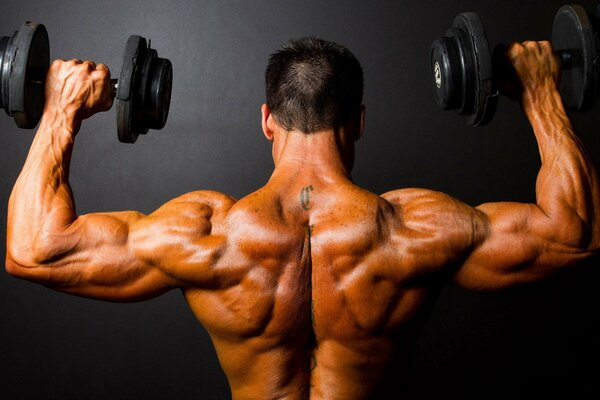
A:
(5, 56)
(446, 73)
(466, 58)
(24, 62)
(30, 65)
(143, 79)
(572, 31)
(482, 88)
(126, 97)
(159, 93)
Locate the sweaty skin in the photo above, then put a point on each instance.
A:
(310, 287)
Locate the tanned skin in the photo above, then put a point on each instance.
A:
(310, 287)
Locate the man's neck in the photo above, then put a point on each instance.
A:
(324, 154)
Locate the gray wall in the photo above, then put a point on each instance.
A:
(520, 344)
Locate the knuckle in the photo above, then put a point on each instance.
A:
(102, 67)
(90, 66)
(57, 63)
(517, 47)
(512, 48)
(100, 75)
(547, 46)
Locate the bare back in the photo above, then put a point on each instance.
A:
(318, 289)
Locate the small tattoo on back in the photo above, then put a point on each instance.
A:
(305, 197)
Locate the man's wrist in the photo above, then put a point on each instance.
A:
(542, 100)
(60, 122)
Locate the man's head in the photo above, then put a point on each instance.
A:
(313, 85)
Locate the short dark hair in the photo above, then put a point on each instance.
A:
(313, 84)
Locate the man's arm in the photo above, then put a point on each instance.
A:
(46, 241)
(521, 243)
(108, 256)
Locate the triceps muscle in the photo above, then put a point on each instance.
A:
(96, 260)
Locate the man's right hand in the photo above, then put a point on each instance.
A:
(78, 88)
(536, 68)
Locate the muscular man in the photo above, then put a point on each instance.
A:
(310, 287)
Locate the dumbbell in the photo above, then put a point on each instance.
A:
(24, 62)
(142, 92)
(465, 74)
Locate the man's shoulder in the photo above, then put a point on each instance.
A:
(197, 210)
(193, 215)
(432, 211)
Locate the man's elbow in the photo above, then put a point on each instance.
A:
(13, 268)
(580, 236)
(22, 263)
(17, 266)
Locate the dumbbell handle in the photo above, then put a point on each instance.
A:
(114, 84)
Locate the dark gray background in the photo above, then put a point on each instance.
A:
(526, 343)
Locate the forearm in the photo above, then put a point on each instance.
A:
(41, 205)
(567, 189)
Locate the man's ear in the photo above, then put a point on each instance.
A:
(267, 122)
(360, 129)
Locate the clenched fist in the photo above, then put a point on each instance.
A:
(535, 65)
(80, 88)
